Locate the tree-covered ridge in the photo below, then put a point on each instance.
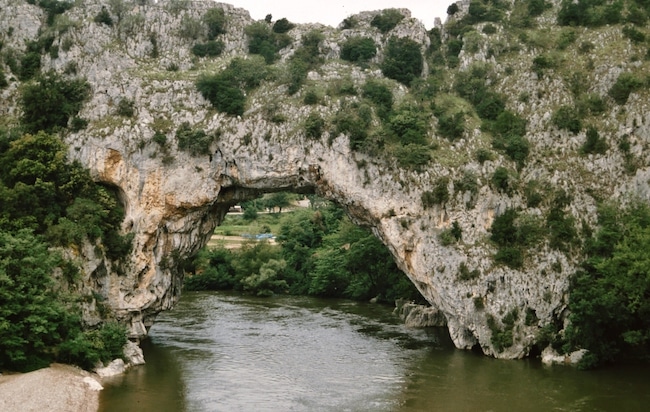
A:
(319, 253)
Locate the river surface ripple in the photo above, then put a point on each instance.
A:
(225, 352)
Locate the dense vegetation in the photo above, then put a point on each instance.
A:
(610, 296)
(319, 253)
(39, 318)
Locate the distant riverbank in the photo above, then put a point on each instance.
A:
(59, 388)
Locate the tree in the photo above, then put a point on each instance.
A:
(403, 60)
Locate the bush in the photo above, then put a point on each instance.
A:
(211, 48)
(126, 108)
(314, 125)
(215, 20)
(567, 118)
(380, 95)
(358, 49)
(590, 13)
(403, 60)
(501, 179)
(625, 84)
(452, 127)
(219, 90)
(263, 41)
(412, 156)
(387, 20)
(194, 141)
(408, 125)
(438, 196)
(103, 17)
(594, 143)
(543, 63)
(282, 26)
(51, 101)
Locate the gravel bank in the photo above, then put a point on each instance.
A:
(59, 388)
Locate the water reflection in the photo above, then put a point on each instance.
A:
(221, 352)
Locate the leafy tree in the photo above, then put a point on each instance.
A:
(567, 118)
(380, 95)
(282, 26)
(387, 20)
(51, 101)
(403, 60)
(215, 19)
(358, 49)
(219, 90)
(609, 298)
(626, 83)
(211, 48)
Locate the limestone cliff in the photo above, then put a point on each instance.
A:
(174, 199)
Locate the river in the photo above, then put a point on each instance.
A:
(225, 352)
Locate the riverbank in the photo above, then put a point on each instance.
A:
(59, 388)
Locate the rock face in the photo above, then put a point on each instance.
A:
(173, 199)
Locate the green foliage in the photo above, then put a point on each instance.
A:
(438, 196)
(355, 125)
(51, 101)
(608, 298)
(514, 233)
(590, 13)
(403, 60)
(626, 83)
(561, 225)
(452, 126)
(594, 143)
(103, 17)
(321, 253)
(211, 48)
(501, 179)
(126, 108)
(215, 19)
(358, 49)
(464, 274)
(263, 41)
(37, 323)
(542, 63)
(194, 141)
(502, 337)
(190, 29)
(314, 125)
(378, 93)
(387, 20)
(567, 118)
(412, 156)
(408, 125)
(306, 57)
(53, 8)
(219, 90)
(282, 26)
(91, 346)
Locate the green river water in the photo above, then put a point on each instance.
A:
(225, 352)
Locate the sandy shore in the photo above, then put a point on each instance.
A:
(59, 388)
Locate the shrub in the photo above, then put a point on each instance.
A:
(380, 95)
(489, 29)
(484, 155)
(282, 26)
(358, 49)
(567, 118)
(219, 91)
(452, 127)
(439, 195)
(590, 13)
(314, 125)
(194, 141)
(543, 63)
(402, 60)
(501, 179)
(126, 108)
(408, 125)
(387, 20)
(594, 143)
(210, 48)
(633, 34)
(412, 156)
(626, 83)
(263, 41)
(215, 20)
(51, 101)
(103, 17)
(465, 274)
(354, 125)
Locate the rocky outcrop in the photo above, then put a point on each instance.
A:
(173, 199)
